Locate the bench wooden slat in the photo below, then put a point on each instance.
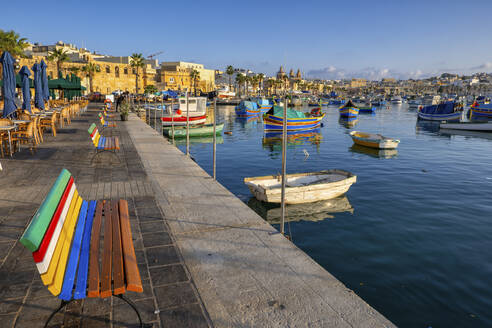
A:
(64, 244)
(118, 271)
(34, 233)
(93, 290)
(73, 259)
(92, 127)
(49, 275)
(81, 285)
(116, 143)
(107, 251)
(44, 264)
(132, 275)
(40, 253)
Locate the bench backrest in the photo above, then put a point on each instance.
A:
(95, 136)
(65, 244)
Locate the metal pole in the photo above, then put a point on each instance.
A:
(187, 124)
(161, 112)
(172, 118)
(284, 165)
(215, 139)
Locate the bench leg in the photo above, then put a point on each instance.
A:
(62, 305)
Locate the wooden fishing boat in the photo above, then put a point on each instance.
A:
(264, 105)
(194, 131)
(373, 140)
(469, 126)
(296, 120)
(448, 111)
(481, 110)
(196, 107)
(301, 187)
(367, 109)
(349, 110)
(247, 108)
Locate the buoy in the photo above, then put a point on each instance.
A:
(228, 132)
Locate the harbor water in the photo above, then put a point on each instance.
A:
(412, 237)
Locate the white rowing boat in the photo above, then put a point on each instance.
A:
(301, 187)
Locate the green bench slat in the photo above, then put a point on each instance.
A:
(34, 233)
(91, 128)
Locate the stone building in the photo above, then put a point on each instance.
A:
(176, 76)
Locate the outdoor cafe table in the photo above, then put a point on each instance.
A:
(8, 128)
(21, 121)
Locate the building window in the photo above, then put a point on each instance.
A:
(108, 70)
(126, 70)
(171, 80)
(117, 71)
(134, 71)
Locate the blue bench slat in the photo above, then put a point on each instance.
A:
(81, 285)
(66, 292)
(102, 140)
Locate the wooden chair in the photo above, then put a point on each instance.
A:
(37, 132)
(26, 136)
(49, 123)
(64, 237)
(4, 136)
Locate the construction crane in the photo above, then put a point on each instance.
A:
(156, 54)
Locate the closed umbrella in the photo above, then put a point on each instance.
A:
(44, 80)
(26, 91)
(9, 105)
(38, 87)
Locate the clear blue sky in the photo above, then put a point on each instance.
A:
(323, 38)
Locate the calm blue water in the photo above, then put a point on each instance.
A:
(417, 244)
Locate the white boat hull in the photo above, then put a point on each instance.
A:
(300, 194)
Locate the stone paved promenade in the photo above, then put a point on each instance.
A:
(170, 298)
(207, 260)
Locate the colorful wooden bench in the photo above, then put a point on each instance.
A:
(102, 143)
(64, 238)
(106, 124)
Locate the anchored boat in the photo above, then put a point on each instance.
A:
(196, 106)
(447, 111)
(247, 108)
(469, 126)
(373, 140)
(202, 130)
(349, 110)
(301, 187)
(296, 120)
(481, 110)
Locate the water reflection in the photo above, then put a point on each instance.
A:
(273, 140)
(316, 211)
(198, 140)
(373, 152)
(467, 134)
(348, 122)
(247, 122)
(427, 127)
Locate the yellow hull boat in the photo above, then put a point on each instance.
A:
(373, 140)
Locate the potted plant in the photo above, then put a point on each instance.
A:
(124, 110)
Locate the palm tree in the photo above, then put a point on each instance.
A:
(59, 56)
(195, 76)
(261, 78)
(91, 69)
(13, 43)
(230, 72)
(240, 79)
(137, 61)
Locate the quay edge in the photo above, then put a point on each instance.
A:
(245, 273)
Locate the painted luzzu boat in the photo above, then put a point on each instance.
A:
(481, 110)
(264, 105)
(373, 140)
(247, 108)
(447, 111)
(296, 120)
(349, 110)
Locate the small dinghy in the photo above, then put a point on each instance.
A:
(301, 187)
(373, 140)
